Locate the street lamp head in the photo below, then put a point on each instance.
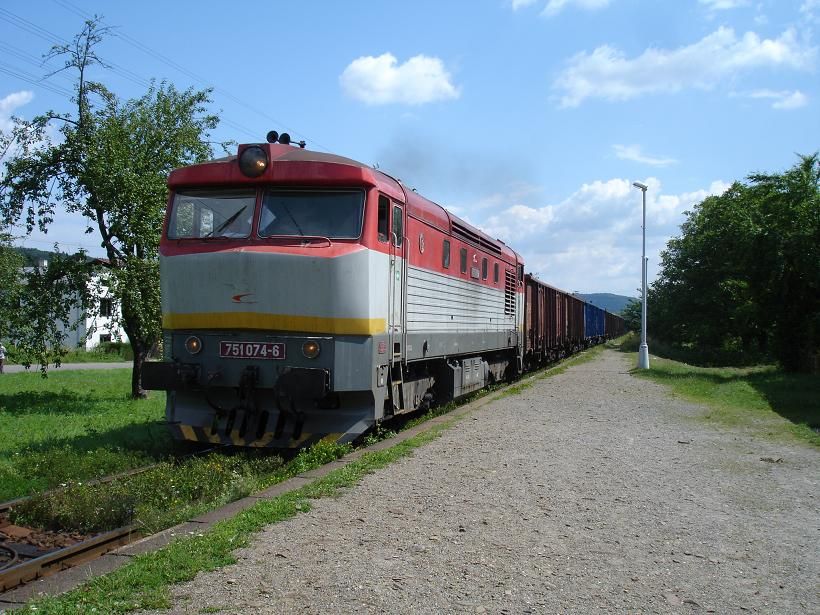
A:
(640, 185)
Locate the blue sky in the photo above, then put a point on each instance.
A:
(528, 118)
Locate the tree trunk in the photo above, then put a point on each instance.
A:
(140, 355)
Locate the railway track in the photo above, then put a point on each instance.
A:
(27, 554)
(21, 562)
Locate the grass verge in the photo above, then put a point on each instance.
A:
(775, 404)
(168, 493)
(145, 582)
(75, 426)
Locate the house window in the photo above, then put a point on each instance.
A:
(445, 257)
(106, 308)
(384, 218)
(495, 273)
(105, 338)
(484, 268)
(463, 255)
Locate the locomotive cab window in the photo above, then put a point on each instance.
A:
(206, 214)
(384, 218)
(463, 258)
(398, 226)
(445, 254)
(331, 214)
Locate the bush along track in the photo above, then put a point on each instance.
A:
(168, 498)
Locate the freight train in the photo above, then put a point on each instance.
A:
(307, 296)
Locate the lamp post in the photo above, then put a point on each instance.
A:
(643, 351)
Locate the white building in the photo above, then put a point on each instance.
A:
(95, 329)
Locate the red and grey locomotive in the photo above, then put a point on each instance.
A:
(308, 296)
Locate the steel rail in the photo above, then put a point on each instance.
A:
(67, 557)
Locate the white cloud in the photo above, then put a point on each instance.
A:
(607, 73)
(783, 99)
(591, 241)
(723, 5)
(634, 153)
(556, 6)
(381, 80)
(809, 5)
(520, 4)
(10, 103)
(809, 9)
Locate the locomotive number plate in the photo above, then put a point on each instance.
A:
(251, 350)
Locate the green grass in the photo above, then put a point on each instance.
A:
(144, 583)
(773, 403)
(168, 493)
(107, 352)
(74, 426)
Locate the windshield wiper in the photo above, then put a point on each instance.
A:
(302, 240)
(227, 222)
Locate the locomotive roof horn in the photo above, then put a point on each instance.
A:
(284, 139)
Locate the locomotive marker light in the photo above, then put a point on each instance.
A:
(311, 349)
(253, 161)
(643, 351)
(193, 344)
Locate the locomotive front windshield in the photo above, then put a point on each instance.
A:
(202, 214)
(333, 214)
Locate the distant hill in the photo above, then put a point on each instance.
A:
(33, 256)
(608, 301)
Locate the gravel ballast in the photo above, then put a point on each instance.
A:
(591, 491)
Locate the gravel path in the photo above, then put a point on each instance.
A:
(592, 491)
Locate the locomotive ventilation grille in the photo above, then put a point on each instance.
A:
(509, 292)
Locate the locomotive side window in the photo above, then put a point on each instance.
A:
(445, 254)
(484, 268)
(463, 255)
(495, 273)
(333, 214)
(203, 214)
(384, 218)
(398, 226)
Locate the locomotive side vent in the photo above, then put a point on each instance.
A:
(462, 232)
(509, 292)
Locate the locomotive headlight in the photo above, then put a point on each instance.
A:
(311, 349)
(193, 344)
(253, 161)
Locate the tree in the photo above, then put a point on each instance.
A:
(11, 264)
(632, 314)
(785, 258)
(110, 166)
(744, 275)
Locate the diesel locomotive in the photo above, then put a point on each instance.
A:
(308, 296)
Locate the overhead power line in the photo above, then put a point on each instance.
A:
(66, 4)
